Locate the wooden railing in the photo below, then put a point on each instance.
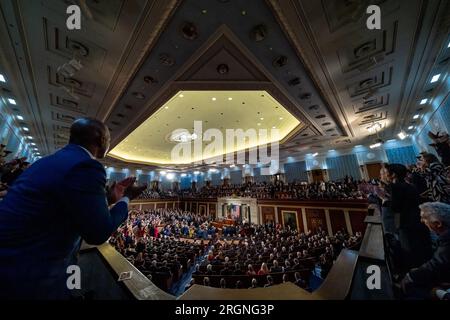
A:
(139, 286)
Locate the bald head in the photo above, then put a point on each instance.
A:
(91, 134)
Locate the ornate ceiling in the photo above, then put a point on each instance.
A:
(317, 59)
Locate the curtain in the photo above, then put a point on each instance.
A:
(339, 167)
(295, 171)
(402, 155)
(236, 177)
(257, 177)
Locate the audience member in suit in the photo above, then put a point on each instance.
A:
(275, 267)
(299, 281)
(254, 284)
(223, 283)
(53, 205)
(237, 269)
(225, 271)
(269, 282)
(418, 282)
(414, 237)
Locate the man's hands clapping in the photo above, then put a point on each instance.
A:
(124, 188)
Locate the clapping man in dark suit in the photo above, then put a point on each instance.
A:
(60, 200)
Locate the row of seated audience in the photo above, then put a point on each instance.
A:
(272, 255)
(331, 190)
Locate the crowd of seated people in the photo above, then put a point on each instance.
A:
(10, 170)
(158, 194)
(331, 190)
(157, 243)
(271, 255)
(148, 242)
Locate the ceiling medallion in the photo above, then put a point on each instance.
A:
(189, 30)
(280, 61)
(166, 59)
(222, 68)
(294, 82)
(258, 33)
(139, 95)
(305, 96)
(150, 80)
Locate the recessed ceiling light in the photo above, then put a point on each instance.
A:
(29, 137)
(12, 101)
(423, 101)
(36, 149)
(181, 95)
(435, 78)
(213, 99)
(183, 174)
(196, 172)
(230, 98)
(26, 129)
(416, 116)
(281, 118)
(20, 118)
(2, 78)
(163, 173)
(166, 107)
(262, 118)
(410, 127)
(448, 45)
(33, 144)
(274, 127)
(258, 124)
(315, 154)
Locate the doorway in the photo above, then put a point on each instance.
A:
(373, 170)
(317, 175)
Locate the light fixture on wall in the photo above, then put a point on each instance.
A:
(2, 78)
(423, 101)
(170, 176)
(375, 145)
(315, 154)
(402, 135)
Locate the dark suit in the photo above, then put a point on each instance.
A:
(414, 236)
(58, 201)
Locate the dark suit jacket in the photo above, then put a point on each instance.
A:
(55, 203)
(437, 269)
